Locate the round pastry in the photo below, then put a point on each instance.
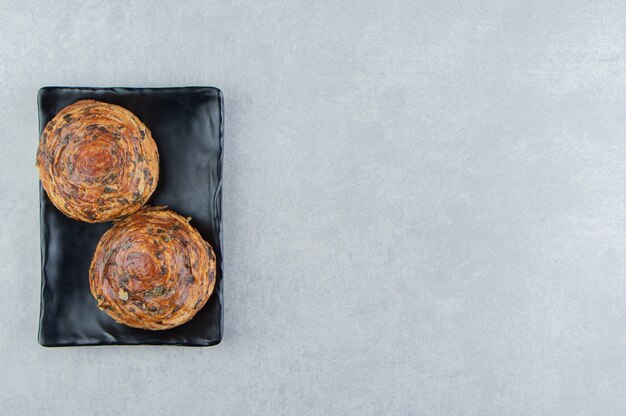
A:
(152, 270)
(97, 161)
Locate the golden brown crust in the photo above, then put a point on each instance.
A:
(152, 270)
(97, 161)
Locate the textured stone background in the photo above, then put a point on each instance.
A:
(424, 205)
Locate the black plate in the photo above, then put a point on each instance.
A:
(187, 125)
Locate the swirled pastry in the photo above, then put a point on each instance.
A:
(152, 270)
(97, 161)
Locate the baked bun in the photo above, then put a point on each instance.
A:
(97, 161)
(152, 270)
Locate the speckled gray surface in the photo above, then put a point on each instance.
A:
(424, 206)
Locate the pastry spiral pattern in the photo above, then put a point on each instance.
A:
(97, 161)
(152, 270)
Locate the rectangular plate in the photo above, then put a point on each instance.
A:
(187, 126)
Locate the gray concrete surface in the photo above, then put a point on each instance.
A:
(424, 206)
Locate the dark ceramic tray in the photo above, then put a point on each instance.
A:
(187, 126)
